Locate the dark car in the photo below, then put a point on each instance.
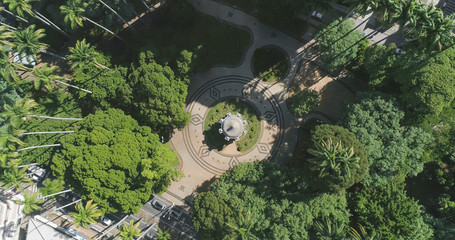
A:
(158, 205)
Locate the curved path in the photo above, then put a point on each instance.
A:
(279, 126)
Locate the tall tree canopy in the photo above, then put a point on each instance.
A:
(114, 161)
(338, 43)
(387, 211)
(157, 96)
(395, 151)
(347, 140)
(266, 201)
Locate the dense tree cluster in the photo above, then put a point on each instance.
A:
(339, 44)
(122, 163)
(395, 151)
(330, 170)
(265, 201)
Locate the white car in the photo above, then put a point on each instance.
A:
(316, 15)
(399, 51)
(106, 221)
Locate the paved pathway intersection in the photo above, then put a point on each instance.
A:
(279, 126)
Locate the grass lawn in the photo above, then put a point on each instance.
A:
(215, 140)
(270, 63)
(174, 28)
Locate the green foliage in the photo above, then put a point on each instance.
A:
(270, 63)
(429, 89)
(394, 151)
(337, 48)
(31, 202)
(303, 102)
(86, 215)
(27, 41)
(379, 61)
(387, 211)
(185, 63)
(210, 215)
(122, 163)
(270, 201)
(51, 187)
(157, 96)
(342, 180)
(107, 86)
(130, 231)
(55, 104)
(443, 228)
(8, 95)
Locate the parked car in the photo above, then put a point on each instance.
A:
(399, 51)
(158, 205)
(316, 15)
(106, 221)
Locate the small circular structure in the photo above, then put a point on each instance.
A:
(232, 126)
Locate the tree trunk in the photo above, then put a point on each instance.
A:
(105, 29)
(133, 11)
(101, 65)
(52, 54)
(50, 23)
(56, 118)
(34, 133)
(113, 226)
(11, 27)
(72, 86)
(145, 4)
(118, 15)
(12, 14)
(69, 204)
(40, 146)
(50, 195)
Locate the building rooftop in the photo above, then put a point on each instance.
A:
(233, 126)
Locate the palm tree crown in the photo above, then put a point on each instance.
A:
(86, 215)
(81, 54)
(130, 231)
(333, 159)
(44, 76)
(18, 111)
(5, 37)
(13, 177)
(20, 6)
(31, 202)
(27, 41)
(73, 11)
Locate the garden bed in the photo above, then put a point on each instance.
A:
(215, 140)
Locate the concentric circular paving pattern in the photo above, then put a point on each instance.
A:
(233, 86)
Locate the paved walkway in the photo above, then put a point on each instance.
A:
(279, 127)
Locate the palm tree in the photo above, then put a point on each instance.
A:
(18, 111)
(20, 7)
(9, 160)
(333, 159)
(163, 235)
(129, 231)
(9, 137)
(73, 15)
(241, 227)
(82, 54)
(5, 37)
(27, 41)
(44, 76)
(363, 235)
(86, 215)
(31, 202)
(330, 231)
(8, 68)
(13, 177)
